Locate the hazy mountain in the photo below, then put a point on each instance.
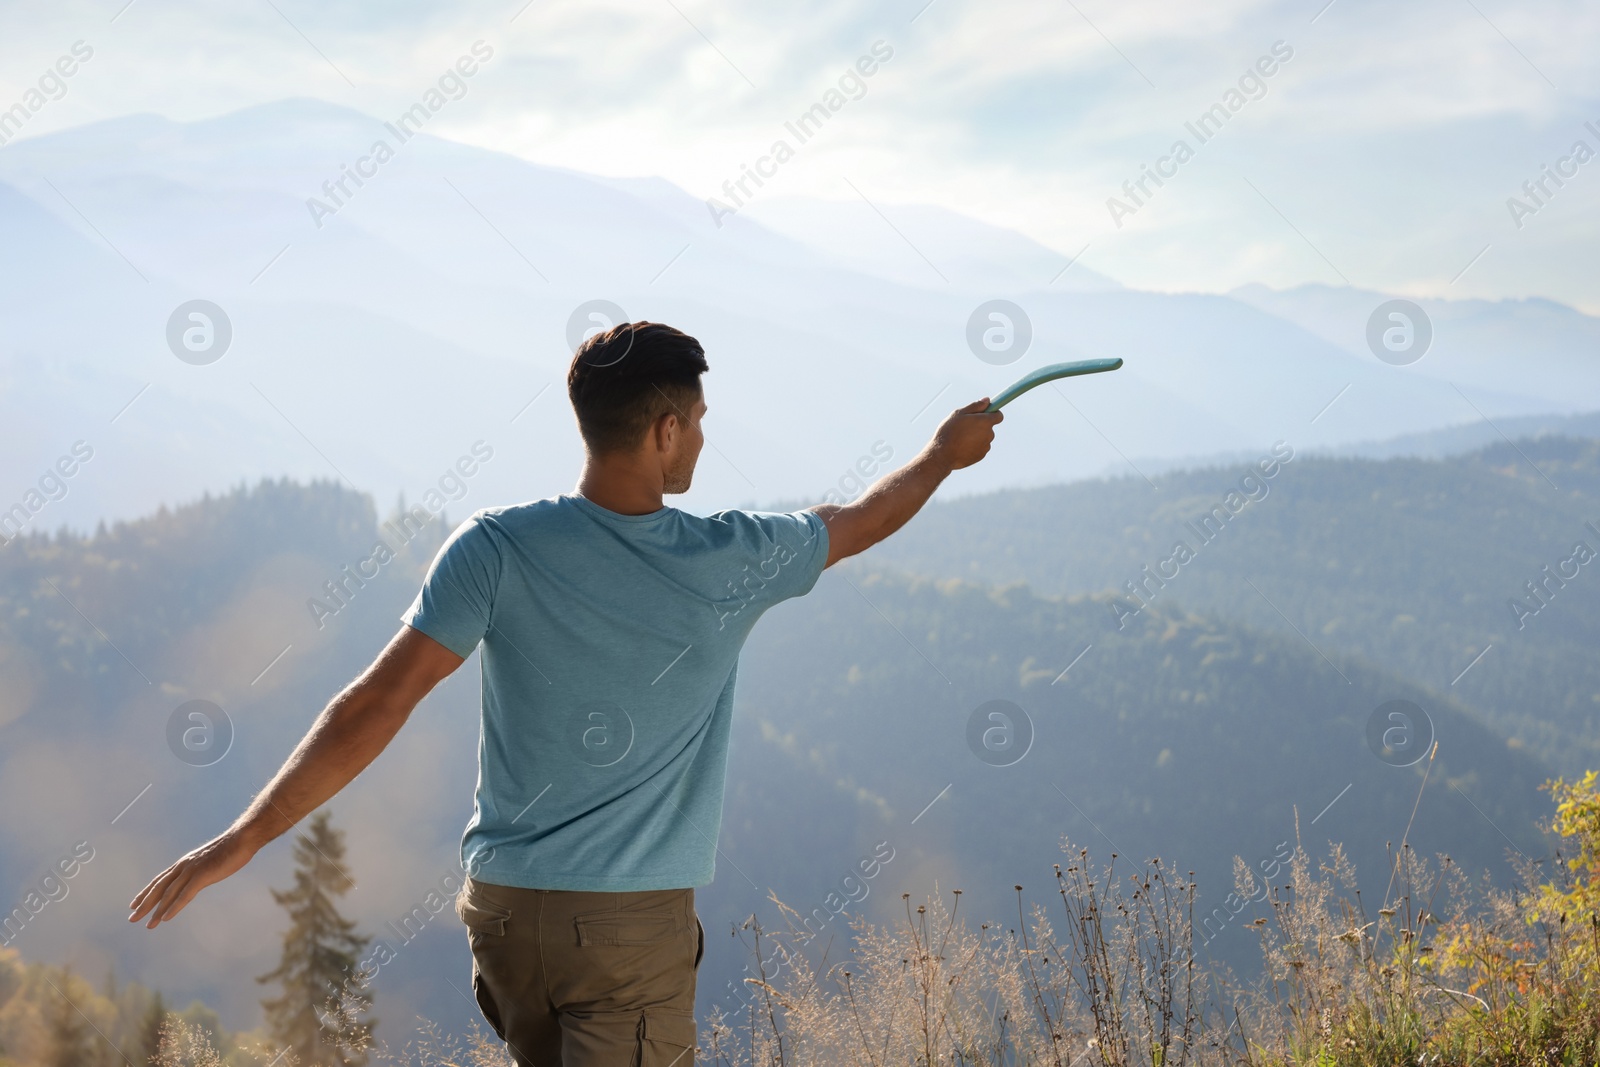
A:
(925, 245)
(1429, 444)
(378, 336)
(1551, 351)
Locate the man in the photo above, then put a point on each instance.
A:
(611, 627)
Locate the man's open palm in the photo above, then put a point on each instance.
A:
(174, 887)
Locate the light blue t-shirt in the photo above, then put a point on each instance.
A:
(610, 648)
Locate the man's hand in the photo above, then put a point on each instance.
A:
(355, 726)
(177, 885)
(961, 440)
(964, 437)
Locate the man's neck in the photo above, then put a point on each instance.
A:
(621, 484)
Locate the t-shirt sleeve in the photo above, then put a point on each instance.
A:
(456, 603)
(791, 550)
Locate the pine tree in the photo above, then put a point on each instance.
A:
(318, 1016)
(150, 1032)
(66, 1030)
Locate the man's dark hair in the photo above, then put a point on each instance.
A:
(623, 380)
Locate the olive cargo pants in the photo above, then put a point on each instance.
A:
(570, 979)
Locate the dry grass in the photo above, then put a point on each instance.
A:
(1446, 970)
(1117, 985)
(186, 1045)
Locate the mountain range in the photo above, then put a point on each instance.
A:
(431, 311)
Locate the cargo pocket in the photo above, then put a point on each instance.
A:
(667, 1039)
(486, 928)
(481, 916)
(635, 929)
(486, 1004)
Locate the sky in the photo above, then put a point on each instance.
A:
(1381, 152)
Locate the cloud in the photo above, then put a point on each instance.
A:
(1024, 115)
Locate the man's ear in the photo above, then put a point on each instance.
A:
(664, 431)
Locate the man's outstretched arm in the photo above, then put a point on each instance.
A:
(960, 441)
(355, 726)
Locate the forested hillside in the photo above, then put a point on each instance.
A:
(1195, 731)
(1410, 564)
(1181, 737)
(104, 638)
